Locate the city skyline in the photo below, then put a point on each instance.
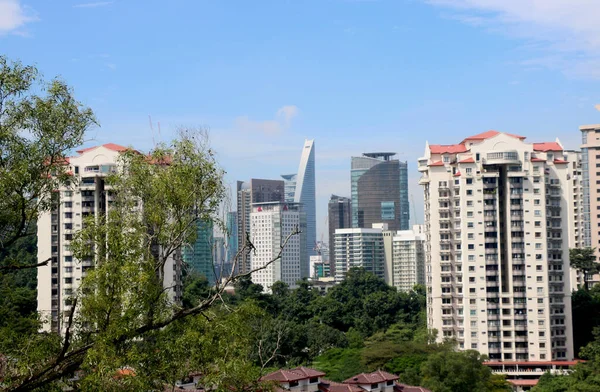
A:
(264, 84)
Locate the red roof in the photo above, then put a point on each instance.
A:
(438, 163)
(299, 373)
(468, 160)
(330, 386)
(559, 161)
(447, 149)
(110, 146)
(537, 160)
(457, 174)
(371, 378)
(489, 134)
(547, 146)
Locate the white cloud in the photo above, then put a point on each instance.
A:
(93, 5)
(565, 32)
(13, 17)
(282, 121)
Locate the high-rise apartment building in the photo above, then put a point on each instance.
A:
(359, 247)
(199, 256)
(339, 216)
(379, 186)
(305, 194)
(577, 218)
(405, 261)
(87, 195)
(497, 252)
(248, 193)
(590, 183)
(271, 224)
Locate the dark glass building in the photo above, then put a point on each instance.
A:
(379, 191)
(339, 215)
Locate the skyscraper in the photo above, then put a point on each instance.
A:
(379, 188)
(88, 195)
(231, 239)
(407, 267)
(339, 216)
(590, 181)
(199, 256)
(497, 220)
(359, 248)
(271, 224)
(248, 193)
(305, 195)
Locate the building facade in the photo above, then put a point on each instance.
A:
(497, 252)
(339, 216)
(358, 247)
(379, 186)
(289, 181)
(199, 256)
(271, 224)
(408, 258)
(590, 183)
(305, 195)
(248, 193)
(231, 236)
(88, 195)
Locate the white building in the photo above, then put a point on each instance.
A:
(497, 255)
(359, 247)
(270, 225)
(407, 261)
(87, 195)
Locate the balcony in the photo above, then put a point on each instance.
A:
(505, 157)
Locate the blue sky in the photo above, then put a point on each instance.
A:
(355, 75)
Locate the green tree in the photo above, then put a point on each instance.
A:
(584, 260)
(450, 371)
(121, 316)
(36, 133)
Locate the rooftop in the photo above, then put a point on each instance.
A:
(385, 155)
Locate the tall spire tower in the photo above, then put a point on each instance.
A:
(306, 195)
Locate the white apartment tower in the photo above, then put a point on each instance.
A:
(270, 224)
(497, 221)
(408, 258)
(362, 248)
(86, 195)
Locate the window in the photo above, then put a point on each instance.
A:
(469, 192)
(471, 258)
(469, 203)
(388, 210)
(374, 386)
(469, 181)
(313, 380)
(446, 159)
(470, 225)
(471, 246)
(469, 170)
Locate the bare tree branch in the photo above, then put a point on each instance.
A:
(15, 267)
